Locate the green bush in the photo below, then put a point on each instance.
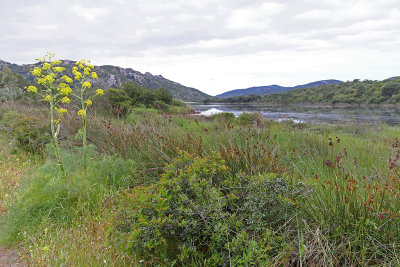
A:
(199, 213)
(178, 109)
(390, 89)
(159, 104)
(223, 117)
(248, 118)
(119, 101)
(31, 135)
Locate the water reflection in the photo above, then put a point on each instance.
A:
(360, 114)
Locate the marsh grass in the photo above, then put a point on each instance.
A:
(351, 217)
(353, 172)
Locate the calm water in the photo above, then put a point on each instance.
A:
(389, 115)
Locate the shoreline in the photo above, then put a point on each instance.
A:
(296, 104)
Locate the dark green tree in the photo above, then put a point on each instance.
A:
(133, 90)
(119, 101)
(390, 89)
(163, 95)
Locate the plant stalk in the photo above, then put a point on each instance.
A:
(55, 139)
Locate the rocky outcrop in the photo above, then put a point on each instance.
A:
(113, 77)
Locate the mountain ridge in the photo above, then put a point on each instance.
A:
(114, 76)
(274, 89)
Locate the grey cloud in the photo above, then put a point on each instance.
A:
(107, 30)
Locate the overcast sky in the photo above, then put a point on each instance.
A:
(212, 45)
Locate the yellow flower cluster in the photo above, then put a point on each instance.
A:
(58, 69)
(46, 66)
(61, 110)
(83, 64)
(88, 102)
(77, 75)
(86, 68)
(67, 79)
(47, 80)
(86, 85)
(64, 89)
(81, 112)
(46, 74)
(99, 92)
(36, 71)
(32, 89)
(86, 71)
(65, 100)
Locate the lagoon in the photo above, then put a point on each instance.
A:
(365, 114)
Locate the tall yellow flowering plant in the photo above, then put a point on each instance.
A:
(83, 75)
(53, 89)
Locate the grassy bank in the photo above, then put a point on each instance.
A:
(168, 189)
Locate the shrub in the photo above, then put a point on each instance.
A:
(119, 101)
(31, 135)
(223, 117)
(390, 89)
(248, 118)
(200, 213)
(178, 109)
(159, 104)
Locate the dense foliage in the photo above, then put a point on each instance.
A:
(351, 92)
(200, 212)
(131, 94)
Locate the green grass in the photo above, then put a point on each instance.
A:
(352, 172)
(52, 217)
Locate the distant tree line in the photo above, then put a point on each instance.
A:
(350, 92)
(132, 94)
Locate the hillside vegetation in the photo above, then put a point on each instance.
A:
(351, 92)
(273, 89)
(114, 77)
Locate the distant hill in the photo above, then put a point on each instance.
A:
(273, 89)
(350, 92)
(113, 77)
